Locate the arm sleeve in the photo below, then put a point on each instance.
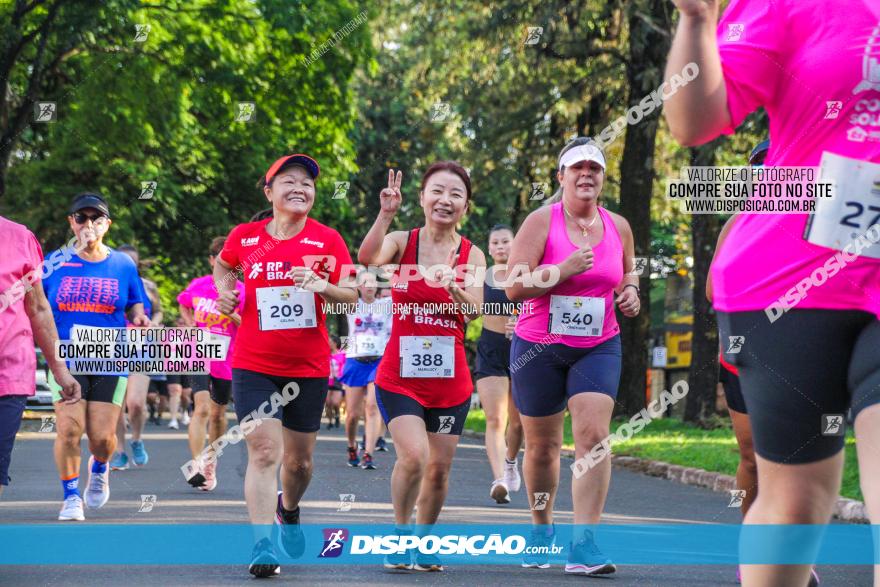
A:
(751, 37)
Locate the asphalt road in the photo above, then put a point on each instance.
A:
(34, 498)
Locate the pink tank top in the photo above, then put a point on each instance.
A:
(599, 282)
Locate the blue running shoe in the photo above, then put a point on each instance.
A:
(381, 445)
(539, 545)
(139, 453)
(585, 558)
(119, 462)
(353, 460)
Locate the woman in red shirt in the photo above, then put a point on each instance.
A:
(281, 363)
(423, 385)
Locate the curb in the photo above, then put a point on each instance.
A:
(848, 510)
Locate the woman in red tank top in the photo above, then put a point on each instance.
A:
(423, 385)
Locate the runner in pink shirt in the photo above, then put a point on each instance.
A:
(797, 296)
(198, 307)
(25, 315)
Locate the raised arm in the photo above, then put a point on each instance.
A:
(697, 111)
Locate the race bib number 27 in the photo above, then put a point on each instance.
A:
(855, 208)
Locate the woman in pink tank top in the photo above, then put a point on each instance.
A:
(566, 347)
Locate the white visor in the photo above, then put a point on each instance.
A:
(582, 153)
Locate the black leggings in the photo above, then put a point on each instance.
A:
(801, 374)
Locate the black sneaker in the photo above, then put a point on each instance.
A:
(380, 445)
(428, 563)
(264, 562)
(293, 542)
(367, 461)
(336, 421)
(353, 460)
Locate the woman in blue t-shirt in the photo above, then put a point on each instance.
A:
(100, 287)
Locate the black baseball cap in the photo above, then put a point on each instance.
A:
(89, 200)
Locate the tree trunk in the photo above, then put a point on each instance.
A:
(649, 43)
(703, 376)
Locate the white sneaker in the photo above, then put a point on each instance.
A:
(185, 418)
(72, 509)
(173, 424)
(98, 488)
(511, 475)
(499, 491)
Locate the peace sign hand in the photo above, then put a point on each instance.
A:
(389, 197)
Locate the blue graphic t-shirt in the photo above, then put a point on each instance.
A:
(93, 294)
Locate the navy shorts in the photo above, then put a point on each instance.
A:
(251, 390)
(544, 377)
(199, 382)
(437, 420)
(493, 355)
(800, 375)
(11, 409)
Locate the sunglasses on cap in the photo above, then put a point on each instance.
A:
(81, 217)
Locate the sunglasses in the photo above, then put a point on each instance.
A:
(81, 217)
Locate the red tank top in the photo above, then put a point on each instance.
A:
(431, 392)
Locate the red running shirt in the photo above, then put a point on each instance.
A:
(430, 392)
(267, 263)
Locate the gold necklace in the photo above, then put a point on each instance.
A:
(585, 230)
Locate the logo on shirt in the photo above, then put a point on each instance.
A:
(401, 286)
(249, 242)
(256, 269)
(307, 241)
(88, 294)
(870, 64)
